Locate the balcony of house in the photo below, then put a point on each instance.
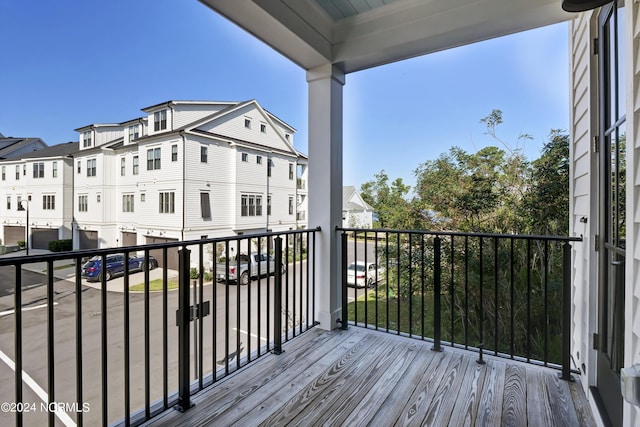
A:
(437, 328)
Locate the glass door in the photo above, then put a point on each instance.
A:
(612, 225)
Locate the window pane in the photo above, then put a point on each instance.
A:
(205, 206)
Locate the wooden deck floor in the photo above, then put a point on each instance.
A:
(361, 377)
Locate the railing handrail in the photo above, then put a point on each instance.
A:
(464, 233)
(28, 259)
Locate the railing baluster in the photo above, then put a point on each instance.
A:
(199, 306)
(512, 297)
(546, 303)
(127, 340)
(481, 302)
(398, 284)
(410, 292)
(277, 298)
(51, 363)
(422, 290)
(104, 342)
(147, 335)
(165, 330)
(566, 312)
(79, 373)
(437, 273)
(495, 295)
(344, 322)
(466, 291)
(238, 288)
(528, 300)
(452, 291)
(17, 311)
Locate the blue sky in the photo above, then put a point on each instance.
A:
(69, 63)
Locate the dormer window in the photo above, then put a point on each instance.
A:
(134, 132)
(247, 123)
(160, 120)
(86, 139)
(263, 128)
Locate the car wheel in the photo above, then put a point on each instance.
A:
(244, 278)
(109, 275)
(140, 266)
(370, 283)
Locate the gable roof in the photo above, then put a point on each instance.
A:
(58, 150)
(349, 192)
(10, 145)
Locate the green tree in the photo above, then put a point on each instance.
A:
(390, 202)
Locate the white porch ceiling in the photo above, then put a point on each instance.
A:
(359, 34)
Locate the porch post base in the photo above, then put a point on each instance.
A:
(329, 321)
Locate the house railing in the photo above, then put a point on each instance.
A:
(121, 351)
(508, 295)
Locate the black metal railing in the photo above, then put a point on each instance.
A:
(507, 294)
(123, 350)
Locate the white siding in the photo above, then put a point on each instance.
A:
(583, 203)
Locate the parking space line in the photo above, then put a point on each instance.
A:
(62, 416)
(35, 307)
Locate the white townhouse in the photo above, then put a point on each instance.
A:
(188, 170)
(356, 212)
(37, 185)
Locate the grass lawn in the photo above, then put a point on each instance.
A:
(154, 286)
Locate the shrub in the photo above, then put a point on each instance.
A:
(62, 245)
(21, 244)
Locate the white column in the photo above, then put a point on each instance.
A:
(325, 186)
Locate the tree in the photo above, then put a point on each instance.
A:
(389, 201)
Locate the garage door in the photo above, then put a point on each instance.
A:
(172, 253)
(40, 237)
(12, 235)
(129, 239)
(88, 239)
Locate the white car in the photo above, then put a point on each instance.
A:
(361, 275)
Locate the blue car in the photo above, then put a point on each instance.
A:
(92, 269)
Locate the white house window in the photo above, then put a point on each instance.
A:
(245, 157)
(167, 202)
(38, 170)
(268, 205)
(91, 167)
(143, 197)
(133, 132)
(247, 123)
(98, 197)
(83, 203)
(259, 160)
(24, 170)
(127, 203)
(4, 173)
(291, 171)
(287, 136)
(263, 128)
(79, 167)
(153, 159)
(205, 206)
(55, 169)
(174, 153)
(258, 205)
(160, 120)
(123, 166)
(86, 139)
(136, 165)
(19, 202)
(269, 166)
(203, 154)
(290, 205)
(48, 202)
(8, 203)
(17, 172)
(251, 205)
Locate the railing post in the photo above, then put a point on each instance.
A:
(184, 319)
(566, 312)
(277, 298)
(437, 276)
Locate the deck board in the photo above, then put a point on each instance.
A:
(361, 377)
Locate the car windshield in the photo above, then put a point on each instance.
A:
(356, 267)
